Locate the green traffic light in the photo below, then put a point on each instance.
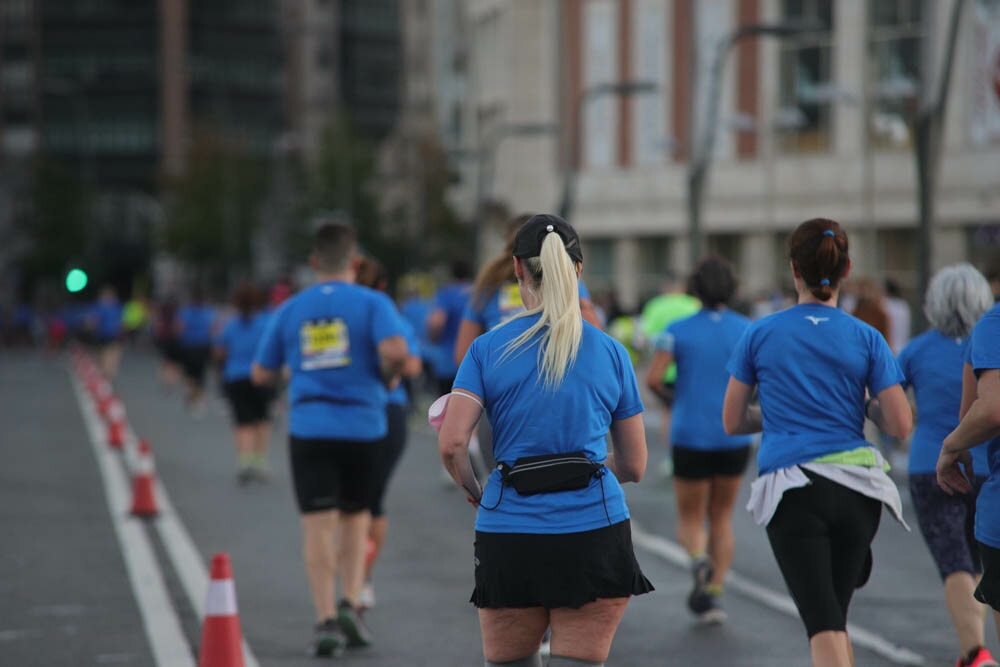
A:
(76, 280)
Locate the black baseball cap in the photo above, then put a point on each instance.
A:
(529, 238)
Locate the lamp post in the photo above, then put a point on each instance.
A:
(703, 149)
(591, 93)
(927, 151)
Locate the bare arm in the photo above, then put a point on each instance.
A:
(980, 423)
(435, 324)
(392, 353)
(628, 440)
(467, 332)
(654, 376)
(968, 389)
(891, 412)
(738, 416)
(459, 424)
(262, 376)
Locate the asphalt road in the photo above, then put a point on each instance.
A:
(68, 588)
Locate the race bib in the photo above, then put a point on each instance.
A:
(510, 300)
(324, 344)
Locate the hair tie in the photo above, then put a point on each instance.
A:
(825, 281)
(829, 232)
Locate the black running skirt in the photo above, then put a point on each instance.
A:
(552, 571)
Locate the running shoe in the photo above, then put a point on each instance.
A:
(244, 475)
(366, 600)
(353, 625)
(329, 640)
(707, 607)
(982, 658)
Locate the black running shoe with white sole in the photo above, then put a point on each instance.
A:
(353, 625)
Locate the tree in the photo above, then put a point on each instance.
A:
(55, 226)
(340, 183)
(214, 208)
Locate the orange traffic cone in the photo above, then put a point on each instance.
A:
(105, 397)
(143, 495)
(221, 640)
(116, 424)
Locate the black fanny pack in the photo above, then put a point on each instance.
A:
(549, 473)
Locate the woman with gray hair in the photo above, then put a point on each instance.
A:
(932, 363)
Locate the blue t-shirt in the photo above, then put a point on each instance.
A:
(329, 335)
(811, 364)
(529, 419)
(196, 325)
(452, 300)
(503, 304)
(985, 355)
(932, 365)
(415, 311)
(239, 339)
(398, 396)
(107, 320)
(701, 345)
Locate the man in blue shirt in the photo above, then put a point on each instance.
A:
(343, 345)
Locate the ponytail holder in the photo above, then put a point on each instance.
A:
(825, 281)
(829, 232)
(549, 228)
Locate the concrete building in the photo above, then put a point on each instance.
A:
(815, 125)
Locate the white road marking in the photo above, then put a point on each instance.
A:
(163, 628)
(177, 542)
(674, 554)
(188, 563)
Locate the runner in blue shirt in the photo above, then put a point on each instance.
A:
(821, 486)
(106, 326)
(553, 539)
(708, 463)
(932, 363)
(980, 407)
(443, 322)
(195, 321)
(235, 348)
(343, 344)
(372, 273)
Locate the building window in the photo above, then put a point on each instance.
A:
(654, 265)
(600, 272)
(895, 31)
(805, 78)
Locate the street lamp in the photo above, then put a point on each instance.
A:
(702, 157)
(928, 129)
(591, 93)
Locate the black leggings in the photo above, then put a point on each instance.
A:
(821, 536)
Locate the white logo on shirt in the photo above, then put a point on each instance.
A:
(817, 320)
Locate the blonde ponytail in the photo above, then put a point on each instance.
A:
(553, 274)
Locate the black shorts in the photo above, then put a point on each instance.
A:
(988, 591)
(194, 360)
(821, 536)
(395, 441)
(250, 403)
(170, 350)
(947, 523)
(690, 463)
(334, 474)
(553, 571)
